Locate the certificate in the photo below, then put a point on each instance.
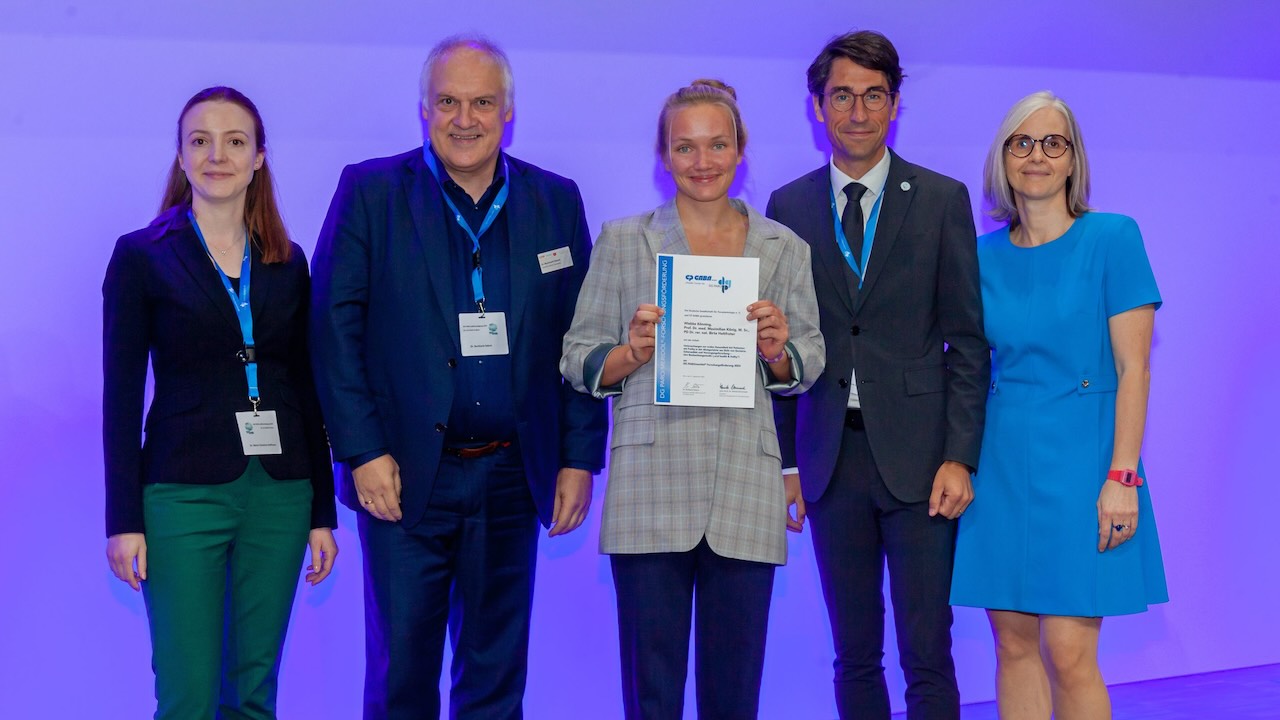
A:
(705, 353)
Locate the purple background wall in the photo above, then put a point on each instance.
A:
(1178, 102)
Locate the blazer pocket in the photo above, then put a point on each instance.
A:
(769, 444)
(167, 406)
(288, 398)
(924, 380)
(632, 432)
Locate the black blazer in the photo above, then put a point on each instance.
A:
(921, 405)
(384, 332)
(162, 297)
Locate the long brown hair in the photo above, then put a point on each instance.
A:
(261, 213)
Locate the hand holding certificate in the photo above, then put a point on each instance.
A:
(706, 347)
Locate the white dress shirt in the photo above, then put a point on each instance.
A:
(873, 181)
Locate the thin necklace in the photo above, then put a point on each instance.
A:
(223, 251)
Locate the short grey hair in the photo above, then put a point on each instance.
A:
(475, 42)
(995, 183)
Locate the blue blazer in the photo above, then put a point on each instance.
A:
(384, 331)
(163, 299)
(914, 333)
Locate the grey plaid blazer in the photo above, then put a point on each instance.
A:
(677, 474)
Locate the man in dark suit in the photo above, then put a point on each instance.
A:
(444, 280)
(885, 441)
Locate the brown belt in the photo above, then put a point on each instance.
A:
(471, 453)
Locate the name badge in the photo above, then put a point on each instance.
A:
(557, 259)
(483, 334)
(259, 433)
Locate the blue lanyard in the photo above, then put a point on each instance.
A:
(868, 235)
(243, 312)
(477, 273)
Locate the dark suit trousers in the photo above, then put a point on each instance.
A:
(656, 603)
(858, 525)
(468, 566)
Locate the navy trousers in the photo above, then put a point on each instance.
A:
(658, 596)
(858, 525)
(468, 567)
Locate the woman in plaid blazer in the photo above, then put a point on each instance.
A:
(695, 495)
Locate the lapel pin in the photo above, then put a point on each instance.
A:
(905, 186)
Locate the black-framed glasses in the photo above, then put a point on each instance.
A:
(873, 100)
(1053, 146)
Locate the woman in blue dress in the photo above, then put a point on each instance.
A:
(1061, 531)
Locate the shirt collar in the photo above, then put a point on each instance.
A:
(499, 175)
(873, 180)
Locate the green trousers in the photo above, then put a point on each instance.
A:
(222, 569)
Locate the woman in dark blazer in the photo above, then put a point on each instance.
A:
(210, 514)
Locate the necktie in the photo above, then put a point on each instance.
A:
(851, 221)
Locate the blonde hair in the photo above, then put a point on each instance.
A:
(995, 183)
(700, 92)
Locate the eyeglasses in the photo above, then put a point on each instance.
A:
(1053, 146)
(873, 100)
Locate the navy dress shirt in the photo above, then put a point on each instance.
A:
(482, 408)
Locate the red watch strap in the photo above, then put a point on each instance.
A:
(1128, 478)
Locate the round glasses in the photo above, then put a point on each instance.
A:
(873, 100)
(1053, 146)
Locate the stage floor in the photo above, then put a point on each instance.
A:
(1244, 694)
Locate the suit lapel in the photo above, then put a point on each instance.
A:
(826, 252)
(893, 211)
(522, 231)
(761, 243)
(423, 195)
(199, 267)
(261, 285)
(664, 232)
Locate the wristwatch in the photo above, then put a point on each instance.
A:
(1128, 478)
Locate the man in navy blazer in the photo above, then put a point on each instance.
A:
(886, 439)
(444, 279)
